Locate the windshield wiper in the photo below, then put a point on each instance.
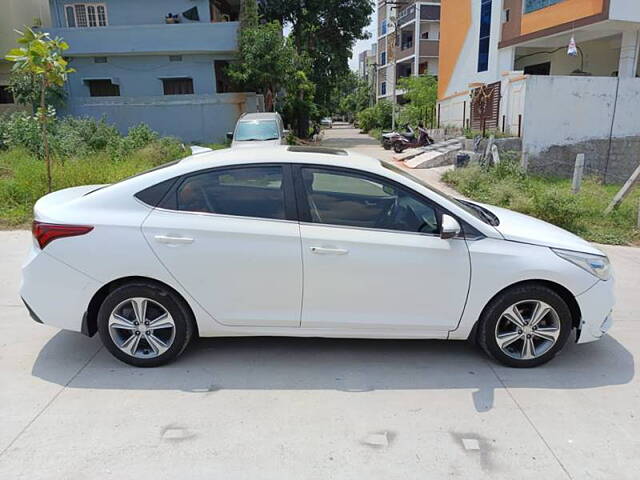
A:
(489, 217)
(257, 139)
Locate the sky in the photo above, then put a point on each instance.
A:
(363, 45)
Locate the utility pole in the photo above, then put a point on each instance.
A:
(373, 84)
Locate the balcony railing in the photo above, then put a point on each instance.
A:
(141, 39)
(407, 15)
(533, 5)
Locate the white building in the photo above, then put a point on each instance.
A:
(504, 65)
(414, 46)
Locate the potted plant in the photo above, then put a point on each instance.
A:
(170, 18)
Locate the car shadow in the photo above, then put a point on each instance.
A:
(284, 363)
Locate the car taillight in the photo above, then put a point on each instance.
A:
(45, 233)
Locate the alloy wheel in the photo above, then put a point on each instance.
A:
(527, 329)
(141, 327)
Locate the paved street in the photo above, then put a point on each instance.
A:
(284, 408)
(344, 136)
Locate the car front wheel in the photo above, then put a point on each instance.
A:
(144, 325)
(525, 326)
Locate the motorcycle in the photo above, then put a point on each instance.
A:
(400, 143)
(388, 139)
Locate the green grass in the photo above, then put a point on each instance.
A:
(550, 199)
(375, 133)
(215, 146)
(23, 176)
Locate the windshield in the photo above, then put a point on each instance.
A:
(256, 130)
(475, 210)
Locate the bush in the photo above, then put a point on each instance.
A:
(378, 116)
(551, 200)
(80, 135)
(21, 130)
(140, 136)
(86, 152)
(558, 207)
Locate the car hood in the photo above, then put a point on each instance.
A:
(256, 143)
(518, 227)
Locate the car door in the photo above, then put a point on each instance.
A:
(230, 237)
(373, 257)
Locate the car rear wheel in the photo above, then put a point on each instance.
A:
(144, 325)
(525, 326)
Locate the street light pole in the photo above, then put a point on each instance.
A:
(394, 20)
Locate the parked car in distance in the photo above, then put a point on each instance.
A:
(327, 122)
(265, 128)
(310, 242)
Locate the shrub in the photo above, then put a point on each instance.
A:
(558, 207)
(366, 119)
(378, 116)
(22, 130)
(509, 167)
(84, 134)
(550, 199)
(140, 136)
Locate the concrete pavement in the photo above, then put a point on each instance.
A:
(343, 135)
(314, 408)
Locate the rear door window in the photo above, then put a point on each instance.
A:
(243, 191)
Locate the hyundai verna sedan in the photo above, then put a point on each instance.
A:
(295, 241)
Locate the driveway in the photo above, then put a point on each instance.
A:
(343, 135)
(284, 408)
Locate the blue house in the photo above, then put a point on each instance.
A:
(136, 63)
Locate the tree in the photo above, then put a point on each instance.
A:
(299, 104)
(40, 57)
(267, 58)
(25, 88)
(326, 31)
(352, 96)
(422, 94)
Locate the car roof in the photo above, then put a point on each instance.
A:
(280, 154)
(259, 116)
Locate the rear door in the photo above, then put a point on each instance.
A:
(373, 257)
(230, 237)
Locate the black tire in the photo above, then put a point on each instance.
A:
(398, 147)
(486, 333)
(386, 146)
(174, 305)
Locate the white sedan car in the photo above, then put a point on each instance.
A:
(298, 241)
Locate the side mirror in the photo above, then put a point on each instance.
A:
(450, 227)
(229, 135)
(286, 132)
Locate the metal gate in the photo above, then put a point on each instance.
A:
(485, 107)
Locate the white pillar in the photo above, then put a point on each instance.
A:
(629, 52)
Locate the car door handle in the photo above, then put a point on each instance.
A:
(173, 240)
(329, 251)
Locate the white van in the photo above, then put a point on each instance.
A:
(264, 128)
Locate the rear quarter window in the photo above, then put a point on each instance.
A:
(153, 195)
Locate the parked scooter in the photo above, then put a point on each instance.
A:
(400, 143)
(388, 139)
